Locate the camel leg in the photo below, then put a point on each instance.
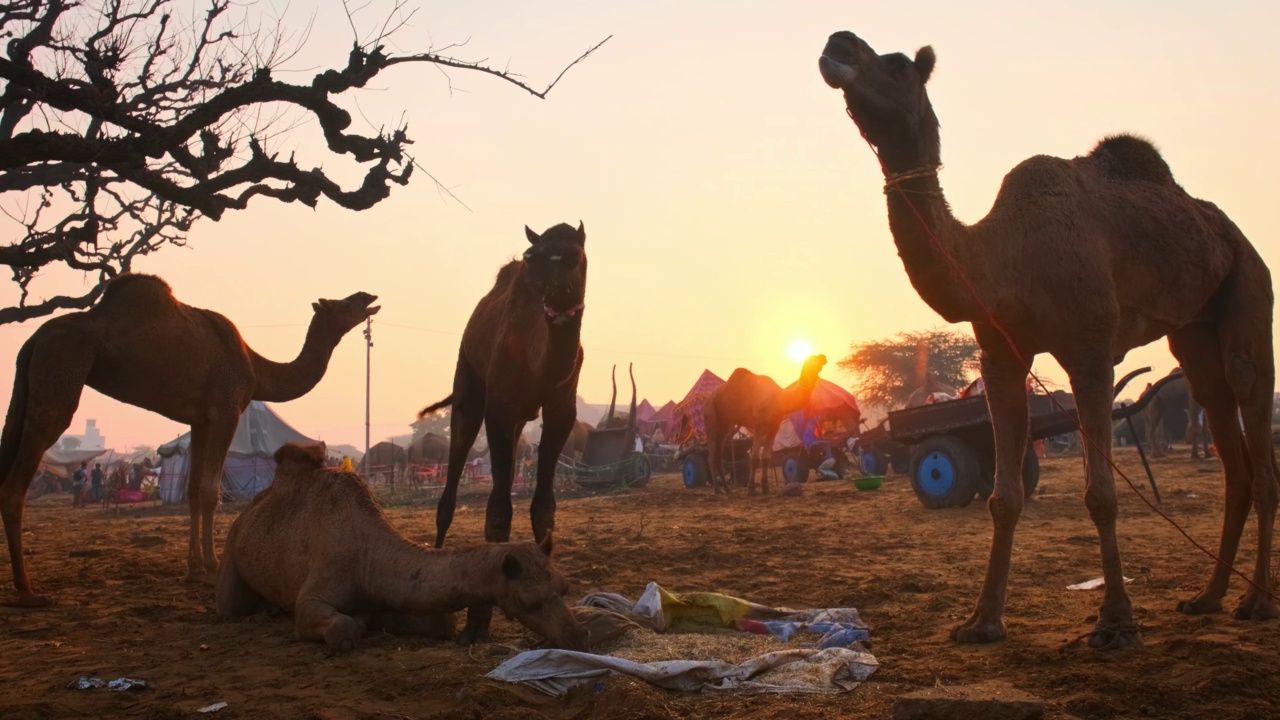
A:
(233, 597)
(557, 422)
(209, 443)
(464, 425)
(317, 620)
(1005, 381)
(503, 434)
(1092, 384)
(46, 390)
(1198, 350)
(715, 455)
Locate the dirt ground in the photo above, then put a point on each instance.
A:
(124, 609)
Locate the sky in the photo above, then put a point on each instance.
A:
(730, 205)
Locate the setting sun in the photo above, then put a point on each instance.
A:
(799, 349)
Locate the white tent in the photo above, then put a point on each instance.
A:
(249, 467)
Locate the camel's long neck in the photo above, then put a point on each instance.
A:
(924, 229)
(279, 382)
(560, 359)
(797, 398)
(404, 576)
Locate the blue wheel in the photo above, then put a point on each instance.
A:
(695, 471)
(872, 462)
(795, 467)
(944, 471)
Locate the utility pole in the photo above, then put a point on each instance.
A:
(368, 354)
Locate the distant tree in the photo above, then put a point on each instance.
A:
(70, 443)
(124, 121)
(886, 372)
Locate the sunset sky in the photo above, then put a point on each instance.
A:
(731, 207)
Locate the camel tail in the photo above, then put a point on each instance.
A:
(432, 408)
(11, 437)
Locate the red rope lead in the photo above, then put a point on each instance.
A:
(891, 184)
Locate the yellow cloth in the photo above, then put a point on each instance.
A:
(707, 612)
(346, 466)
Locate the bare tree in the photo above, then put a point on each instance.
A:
(121, 123)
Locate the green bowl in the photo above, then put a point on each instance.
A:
(869, 482)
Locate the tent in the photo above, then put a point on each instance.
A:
(830, 405)
(686, 416)
(249, 467)
(56, 467)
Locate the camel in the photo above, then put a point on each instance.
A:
(202, 374)
(577, 442)
(1076, 259)
(317, 544)
(757, 403)
(1174, 395)
(520, 355)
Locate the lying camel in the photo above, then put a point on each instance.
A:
(316, 544)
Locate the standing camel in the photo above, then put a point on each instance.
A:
(520, 355)
(1174, 395)
(1076, 259)
(204, 376)
(757, 403)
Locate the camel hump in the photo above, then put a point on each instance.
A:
(136, 285)
(309, 456)
(1125, 157)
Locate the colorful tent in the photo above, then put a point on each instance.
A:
(686, 417)
(829, 404)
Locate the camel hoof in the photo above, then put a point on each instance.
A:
(1200, 606)
(1256, 606)
(1115, 637)
(976, 632)
(29, 600)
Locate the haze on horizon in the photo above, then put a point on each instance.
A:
(731, 207)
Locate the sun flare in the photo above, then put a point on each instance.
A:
(799, 349)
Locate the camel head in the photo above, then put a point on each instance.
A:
(531, 590)
(340, 316)
(886, 98)
(812, 366)
(556, 264)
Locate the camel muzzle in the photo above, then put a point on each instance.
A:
(835, 73)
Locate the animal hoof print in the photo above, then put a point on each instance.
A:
(975, 632)
(1111, 637)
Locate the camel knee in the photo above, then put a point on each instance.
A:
(1101, 504)
(1005, 510)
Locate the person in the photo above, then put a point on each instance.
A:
(95, 483)
(77, 484)
(135, 480)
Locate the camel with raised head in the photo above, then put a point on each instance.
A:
(317, 544)
(203, 375)
(759, 404)
(520, 356)
(1077, 259)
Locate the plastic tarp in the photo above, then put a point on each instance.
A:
(64, 462)
(687, 416)
(838, 659)
(248, 468)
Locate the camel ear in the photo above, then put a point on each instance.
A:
(925, 60)
(582, 234)
(533, 236)
(511, 569)
(546, 546)
(315, 307)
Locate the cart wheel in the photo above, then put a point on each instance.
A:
(795, 467)
(901, 465)
(696, 471)
(943, 472)
(1030, 474)
(641, 471)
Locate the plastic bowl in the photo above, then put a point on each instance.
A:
(869, 482)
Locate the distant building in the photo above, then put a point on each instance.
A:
(92, 439)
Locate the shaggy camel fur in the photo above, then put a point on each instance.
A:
(316, 544)
(520, 355)
(203, 375)
(1174, 395)
(1076, 259)
(757, 403)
